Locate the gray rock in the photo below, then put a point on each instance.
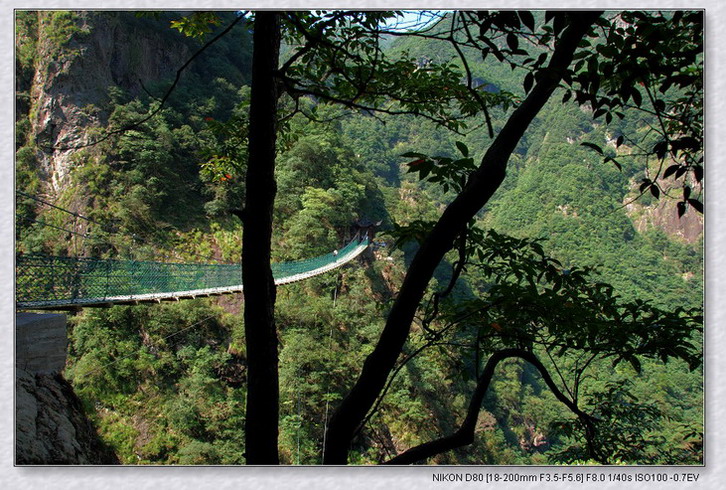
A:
(51, 425)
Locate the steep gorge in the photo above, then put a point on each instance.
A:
(68, 66)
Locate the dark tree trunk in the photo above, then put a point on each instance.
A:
(481, 186)
(261, 424)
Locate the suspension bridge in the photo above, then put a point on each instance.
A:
(59, 283)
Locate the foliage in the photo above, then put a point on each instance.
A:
(196, 25)
(175, 356)
(657, 62)
(59, 27)
(528, 287)
(26, 34)
(627, 431)
(449, 173)
(599, 301)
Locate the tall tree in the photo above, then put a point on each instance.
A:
(481, 185)
(261, 423)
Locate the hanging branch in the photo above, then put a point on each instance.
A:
(456, 273)
(433, 341)
(469, 78)
(465, 434)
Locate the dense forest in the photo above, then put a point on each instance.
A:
(580, 279)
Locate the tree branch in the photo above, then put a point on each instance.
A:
(430, 342)
(262, 404)
(481, 186)
(458, 268)
(352, 104)
(465, 434)
(469, 79)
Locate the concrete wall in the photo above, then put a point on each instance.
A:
(40, 342)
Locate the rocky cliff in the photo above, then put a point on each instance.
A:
(67, 65)
(663, 213)
(51, 427)
(77, 58)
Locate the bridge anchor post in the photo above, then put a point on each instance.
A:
(40, 342)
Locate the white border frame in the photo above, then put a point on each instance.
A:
(111, 478)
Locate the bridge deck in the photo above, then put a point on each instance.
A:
(301, 270)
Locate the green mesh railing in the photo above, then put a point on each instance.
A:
(46, 281)
(281, 270)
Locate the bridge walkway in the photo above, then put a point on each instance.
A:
(62, 283)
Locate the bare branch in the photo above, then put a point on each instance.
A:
(469, 77)
(429, 343)
(352, 104)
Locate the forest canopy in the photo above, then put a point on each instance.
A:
(534, 292)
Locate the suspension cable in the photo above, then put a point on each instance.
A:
(77, 215)
(53, 226)
(327, 397)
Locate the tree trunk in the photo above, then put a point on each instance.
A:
(481, 186)
(261, 423)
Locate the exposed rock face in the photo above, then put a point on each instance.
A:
(688, 227)
(51, 426)
(72, 78)
(663, 214)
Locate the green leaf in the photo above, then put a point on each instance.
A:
(462, 148)
(512, 41)
(593, 146)
(681, 206)
(527, 19)
(698, 173)
(655, 191)
(615, 162)
(670, 171)
(660, 149)
(696, 204)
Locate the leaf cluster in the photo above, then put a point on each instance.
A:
(627, 430)
(451, 174)
(653, 63)
(537, 301)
